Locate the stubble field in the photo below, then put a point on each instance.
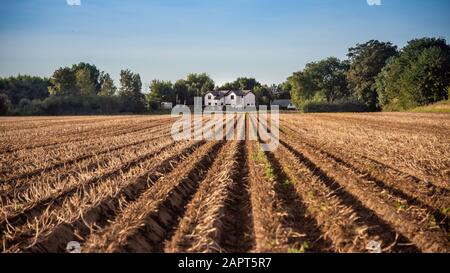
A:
(336, 183)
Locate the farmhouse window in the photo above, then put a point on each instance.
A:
(232, 97)
(209, 97)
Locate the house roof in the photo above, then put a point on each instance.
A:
(242, 92)
(282, 103)
(222, 93)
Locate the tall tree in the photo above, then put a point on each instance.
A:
(162, 91)
(303, 87)
(64, 83)
(263, 94)
(229, 86)
(180, 89)
(107, 87)
(130, 91)
(418, 76)
(199, 84)
(283, 90)
(92, 71)
(330, 79)
(241, 83)
(429, 77)
(322, 80)
(247, 83)
(367, 60)
(84, 82)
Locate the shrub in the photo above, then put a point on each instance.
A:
(338, 106)
(70, 105)
(29, 107)
(5, 104)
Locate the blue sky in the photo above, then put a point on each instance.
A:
(166, 39)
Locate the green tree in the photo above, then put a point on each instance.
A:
(63, 83)
(247, 83)
(130, 91)
(241, 83)
(107, 87)
(5, 104)
(303, 88)
(330, 78)
(199, 84)
(180, 89)
(24, 87)
(162, 91)
(93, 75)
(428, 77)
(283, 90)
(229, 86)
(324, 80)
(367, 60)
(418, 76)
(84, 82)
(263, 94)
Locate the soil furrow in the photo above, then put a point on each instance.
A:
(34, 209)
(151, 220)
(417, 192)
(111, 133)
(342, 218)
(11, 181)
(355, 188)
(218, 219)
(96, 205)
(280, 220)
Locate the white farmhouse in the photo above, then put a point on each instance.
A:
(233, 98)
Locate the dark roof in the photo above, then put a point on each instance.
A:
(219, 94)
(241, 92)
(282, 103)
(222, 93)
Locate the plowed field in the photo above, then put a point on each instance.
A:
(336, 183)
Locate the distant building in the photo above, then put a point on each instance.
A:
(233, 98)
(284, 104)
(166, 105)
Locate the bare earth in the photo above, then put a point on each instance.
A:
(336, 183)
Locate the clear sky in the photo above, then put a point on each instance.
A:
(167, 39)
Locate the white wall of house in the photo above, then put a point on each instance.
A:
(238, 102)
(234, 100)
(230, 99)
(250, 99)
(210, 101)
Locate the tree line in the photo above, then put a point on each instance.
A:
(79, 89)
(375, 76)
(84, 89)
